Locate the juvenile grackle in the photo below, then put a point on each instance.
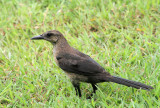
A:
(79, 67)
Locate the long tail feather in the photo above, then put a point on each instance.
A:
(129, 83)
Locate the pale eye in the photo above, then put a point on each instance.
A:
(49, 34)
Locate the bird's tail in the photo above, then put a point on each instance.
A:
(129, 83)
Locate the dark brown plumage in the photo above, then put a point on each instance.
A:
(80, 67)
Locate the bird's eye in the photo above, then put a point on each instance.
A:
(49, 34)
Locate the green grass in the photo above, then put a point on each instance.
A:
(122, 35)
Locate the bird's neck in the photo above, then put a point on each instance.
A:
(61, 45)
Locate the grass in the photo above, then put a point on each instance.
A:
(122, 35)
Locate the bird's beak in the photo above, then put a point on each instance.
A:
(37, 37)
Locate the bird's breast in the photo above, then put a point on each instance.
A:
(55, 54)
(77, 77)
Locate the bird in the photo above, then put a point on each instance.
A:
(80, 67)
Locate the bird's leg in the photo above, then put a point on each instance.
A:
(77, 88)
(94, 90)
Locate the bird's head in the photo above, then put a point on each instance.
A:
(51, 36)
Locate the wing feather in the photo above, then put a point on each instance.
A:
(79, 65)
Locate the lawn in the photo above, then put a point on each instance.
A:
(123, 36)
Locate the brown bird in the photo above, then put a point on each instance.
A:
(80, 67)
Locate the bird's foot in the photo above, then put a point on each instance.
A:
(90, 96)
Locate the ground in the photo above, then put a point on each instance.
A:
(121, 35)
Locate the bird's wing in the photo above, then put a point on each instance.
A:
(79, 65)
